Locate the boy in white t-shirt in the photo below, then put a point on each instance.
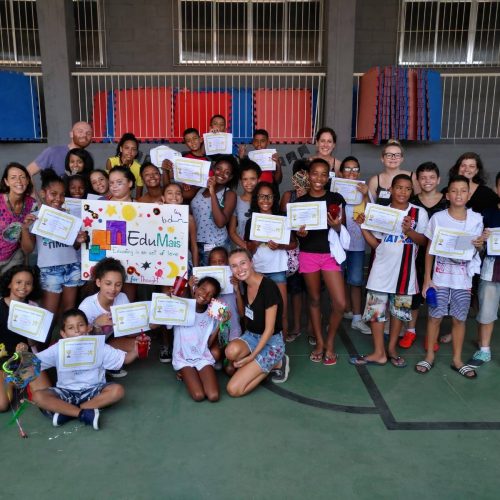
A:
(392, 280)
(451, 278)
(80, 393)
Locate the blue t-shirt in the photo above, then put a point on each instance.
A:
(53, 156)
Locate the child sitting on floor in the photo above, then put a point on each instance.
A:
(80, 393)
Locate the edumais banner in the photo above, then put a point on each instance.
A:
(150, 240)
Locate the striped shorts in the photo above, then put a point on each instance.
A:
(451, 302)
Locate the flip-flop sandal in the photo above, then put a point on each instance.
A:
(316, 357)
(311, 339)
(362, 361)
(445, 339)
(464, 370)
(330, 360)
(427, 367)
(291, 337)
(397, 361)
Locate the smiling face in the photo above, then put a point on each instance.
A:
(173, 194)
(223, 173)
(392, 157)
(318, 177)
(76, 164)
(325, 144)
(265, 198)
(350, 170)
(21, 286)
(53, 195)
(81, 134)
(468, 168)
(76, 188)
(99, 182)
(204, 293)
(458, 194)
(110, 285)
(428, 181)
(249, 180)
(218, 123)
(16, 181)
(119, 185)
(151, 177)
(241, 265)
(75, 326)
(401, 191)
(192, 141)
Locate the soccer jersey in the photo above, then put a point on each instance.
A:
(393, 269)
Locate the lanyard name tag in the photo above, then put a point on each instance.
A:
(384, 194)
(248, 313)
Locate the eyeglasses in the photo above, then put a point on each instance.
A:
(393, 156)
(265, 197)
(351, 169)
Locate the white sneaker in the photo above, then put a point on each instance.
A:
(348, 315)
(361, 326)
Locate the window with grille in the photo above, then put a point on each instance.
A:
(284, 32)
(449, 32)
(19, 43)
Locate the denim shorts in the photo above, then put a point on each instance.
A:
(353, 267)
(489, 297)
(78, 397)
(54, 278)
(272, 353)
(278, 277)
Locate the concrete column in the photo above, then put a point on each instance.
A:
(57, 46)
(339, 61)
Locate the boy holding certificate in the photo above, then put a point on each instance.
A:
(392, 280)
(449, 270)
(81, 384)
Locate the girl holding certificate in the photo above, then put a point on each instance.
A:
(261, 348)
(60, 266)
(213, 207)
(15, 204)
(271, 258)
(22, 284)
(316, 262)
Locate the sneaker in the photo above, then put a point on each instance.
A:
(479, 358)
(407, 340)
(165, 354)
(348, 315)
(361, 326)
(90, 417)
(281, 373)
(59, 419)
(117, 373)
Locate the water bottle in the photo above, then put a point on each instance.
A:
(431, 297)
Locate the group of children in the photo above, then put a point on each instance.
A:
(266, 276)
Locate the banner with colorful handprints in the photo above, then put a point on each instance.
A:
(150, 240)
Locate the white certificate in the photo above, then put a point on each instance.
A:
(311, 214)
(56, 225)
(221, 273)
(385, 220)
(263, 158)
(493, 241)
(166, 310)
(348, 189)
(73, 206)
(130, 318)
(219, 143)
(92, 196)
(161, 153)
(265, 227)
(191, 171)
(452, 244)
(81, 353)
(29, 321)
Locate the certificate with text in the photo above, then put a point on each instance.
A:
(29, 321)
(311, 214)
(81, 353)
(385, 220)
(171, 310)
(263, 158)
(56, 225)
(161, 153)
(191, 171)
(129, 319)
(218, 143)
(221, 273)
(73, 206)
(265, 227)
(452, 244)
(348, 189)
(493, 242)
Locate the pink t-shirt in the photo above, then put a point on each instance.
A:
(11, 225)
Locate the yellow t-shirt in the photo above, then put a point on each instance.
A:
(135, 168)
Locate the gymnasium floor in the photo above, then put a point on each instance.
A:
(329, 432)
